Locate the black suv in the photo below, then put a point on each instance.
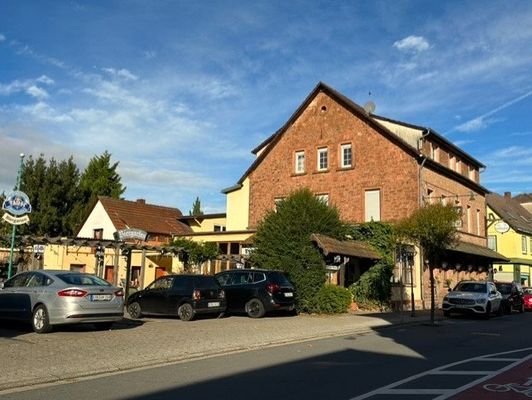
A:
(257, 291)
(181, 295)
(512, 296)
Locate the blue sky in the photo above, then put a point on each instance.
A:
(180, 92)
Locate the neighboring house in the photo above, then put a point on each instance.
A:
(370, 168)
(510, 233)
(94, 248)
(525, 199)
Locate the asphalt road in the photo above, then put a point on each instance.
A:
(335, 368)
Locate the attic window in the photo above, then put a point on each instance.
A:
(323, 109)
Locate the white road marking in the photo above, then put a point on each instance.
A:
(443, 370)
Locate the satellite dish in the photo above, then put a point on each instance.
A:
(369, 107)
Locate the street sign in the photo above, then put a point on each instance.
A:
(39, 248)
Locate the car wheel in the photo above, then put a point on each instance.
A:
(488, 311)
(103, 326)
(185, 312)
(134, 310)
(255, 308)
(40, 321)
(446, 313)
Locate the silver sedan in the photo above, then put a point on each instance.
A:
(55, 297)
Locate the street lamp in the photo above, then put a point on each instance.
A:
(407, 260)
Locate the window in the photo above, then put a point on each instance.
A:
(472, 173)
(459, 212)
(372, 205)
(492, 242)
(478, 222)
(347, 156)
(523, 244)
(219, 228)
(429, 196)
(98, 234)
(323, 159)
(300, 162)
(452, 162)
(324, 198)
(458, 167)
(77, 267)
(278, 201)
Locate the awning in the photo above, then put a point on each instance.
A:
(352, 248)
(476, 250)
(523, 261)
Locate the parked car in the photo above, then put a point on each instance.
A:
(512, 296)
(257, 291)
(48, 298)
(475, 297)
(182, 295)
(527, 298)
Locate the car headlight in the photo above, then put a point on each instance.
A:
(481, 300)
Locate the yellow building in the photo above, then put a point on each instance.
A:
(510, 233)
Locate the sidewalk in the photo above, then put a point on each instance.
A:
(75, 352)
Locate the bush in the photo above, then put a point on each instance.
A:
(373, 287)
(332, 299)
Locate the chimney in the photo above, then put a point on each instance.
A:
(507, 195)
(141, 201)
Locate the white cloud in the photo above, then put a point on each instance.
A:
(2, 37)
(45, 79)
(120, 73)
(149, 54)
(412, 44)
(37, 92)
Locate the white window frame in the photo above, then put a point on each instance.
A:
(478, 222)
(372, 205)
(324, 198)
(523, 244)
(469, 222)
(493, 244)
(323, 151)
(346, 162)
(300, 162)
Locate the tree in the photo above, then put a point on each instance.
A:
(52, 190)
(282, 242)
(433, 228)
(196, 208)
(194, 253)
(98, 179)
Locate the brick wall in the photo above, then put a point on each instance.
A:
(378, 164)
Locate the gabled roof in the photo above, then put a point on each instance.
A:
(524, 198)
(476, 250)
(354, 108)
(511, 212)
(148, 217)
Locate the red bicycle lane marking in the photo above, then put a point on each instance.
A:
(513, 384)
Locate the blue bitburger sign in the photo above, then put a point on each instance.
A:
(17, 204)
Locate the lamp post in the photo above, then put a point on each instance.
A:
(13, 231)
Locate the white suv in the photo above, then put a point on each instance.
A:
(477, 297)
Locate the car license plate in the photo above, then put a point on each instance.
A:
(289, 294)
(213, 304)
(101, 297)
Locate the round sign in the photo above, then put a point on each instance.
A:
(502, 227)
(17, 203)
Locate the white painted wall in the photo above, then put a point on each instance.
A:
(98, 219)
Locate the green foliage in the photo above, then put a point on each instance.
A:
(60, 197)
(195, 253)
(282, 242)
(332, 299)
(432, 227)
(196, 208)
(373, 289)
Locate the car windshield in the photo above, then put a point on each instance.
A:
(471, 287)
(83, 280)
(279, 278)
(504, 288)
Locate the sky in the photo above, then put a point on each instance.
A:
(180, 92)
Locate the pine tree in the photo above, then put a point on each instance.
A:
(196, 208)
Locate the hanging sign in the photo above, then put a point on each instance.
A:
(10, 219)
(502, 227)
(17, 203)
(132, 234)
